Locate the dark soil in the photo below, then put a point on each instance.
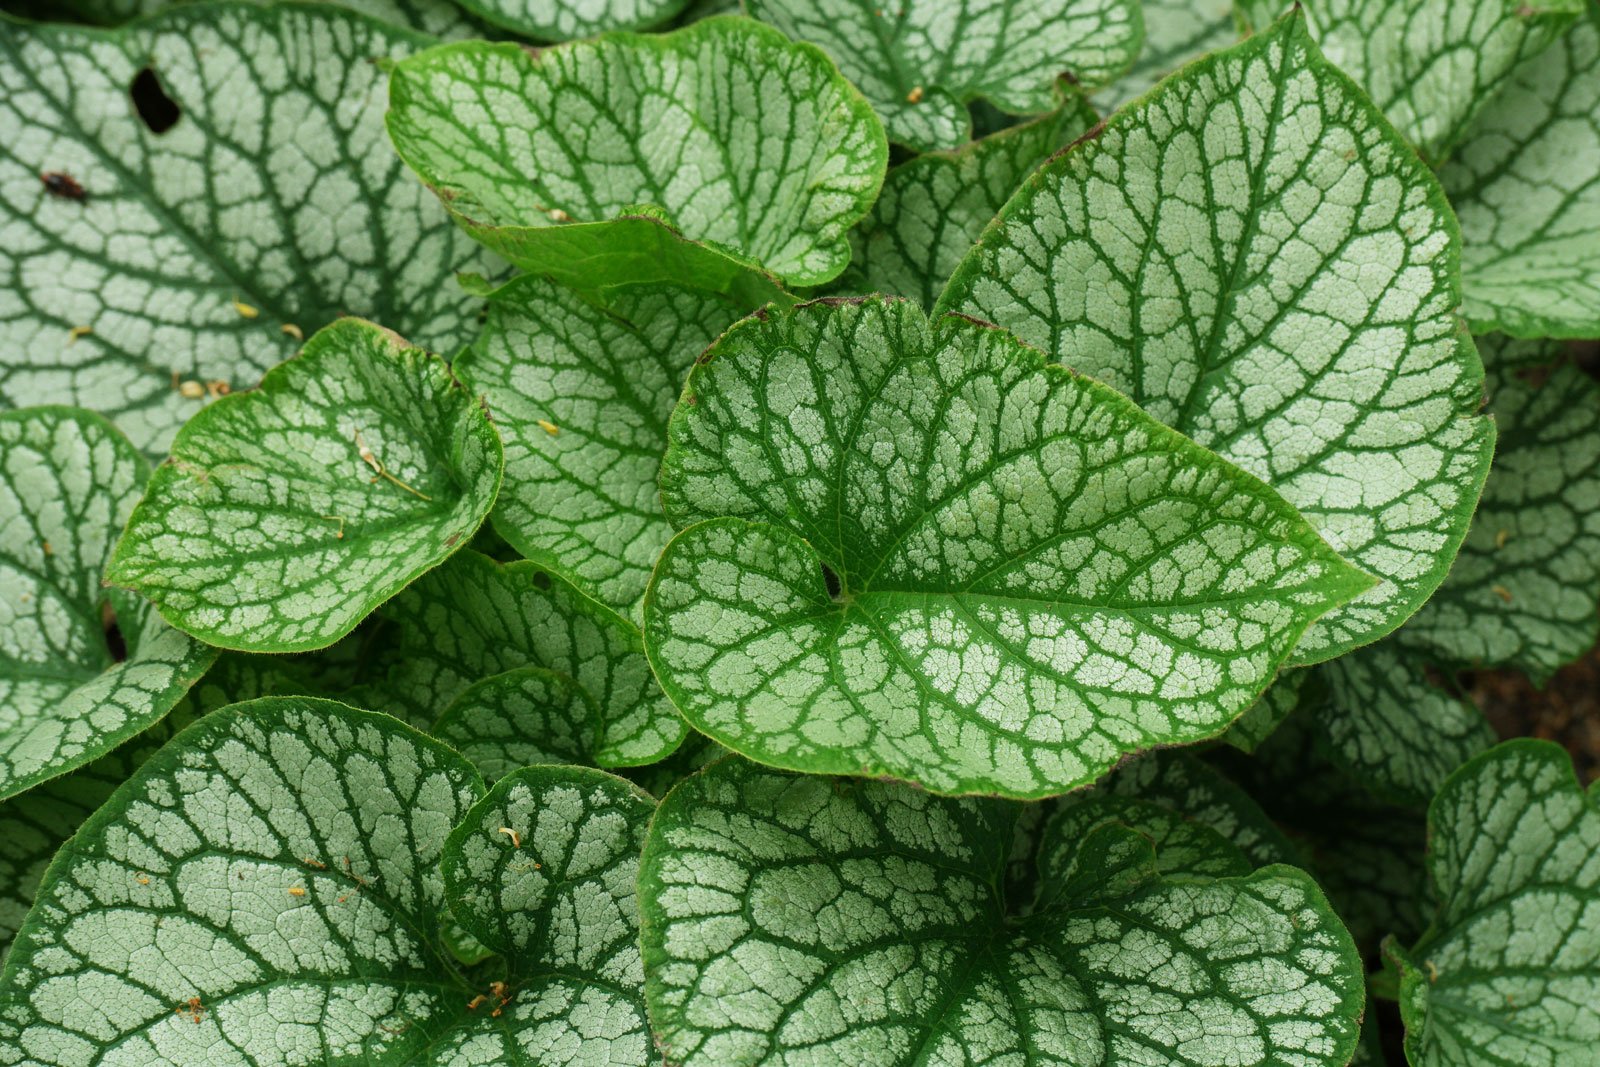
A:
(1566, 711)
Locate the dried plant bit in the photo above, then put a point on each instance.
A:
(248, 311)
(379, 472)
(1501, 591)
(516, 838)
(191, 390)
(557, 215)
(293, 331)
(548, 427)
(1501, 537)
(217, 387)
(297, 891)
(915, 95)
(78, 331)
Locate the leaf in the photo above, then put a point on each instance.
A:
(1508, 974)
(1526, 185)
(33, 825)
(1429, 65)
(1366, 853)
(557, 896)
(675, 127)
(473, 618)
(580, 391)
(696, 752)
(1524, 589)
(1283, 696)
(1176, 32)
(269, 881)
(1393, 728)
(563, 21)
(1286, 298)
(67, 483)
(1033, 578)
(288, 513)
(199, 254)
(790, 919)
(527, 715)
(922, 63)
(438, 18)
(934, 206)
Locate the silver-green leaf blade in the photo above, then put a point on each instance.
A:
(1176, 32)
(725, 130)
(580, 390)
(1524, 589)
(1032, 578)
(68, 481)
(923, 62)
(526, 715)
(1430, 65)
(545, 20)
(197, 255)
(287, 514)
(1526, 184)
(267, 883)
(934, 206)
(1255, 257)
(473, 618)
(791, 920)
(544, 870)
(1508, 974)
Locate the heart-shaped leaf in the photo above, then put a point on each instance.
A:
(1526, 184)
(580, 390)
(790, 919)
(474, 618)
(544, 870)
(169, 247)
(1508, 973)
(1524, 589)
(725, 130)
(1430, 65)
(934, 206)
(922, 62)
(270, 883)
(288, 513)
(67, 483)
(1255, 257)
(926, 553)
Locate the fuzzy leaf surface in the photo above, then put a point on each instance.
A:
(791, 920)
(557, 897)
(1255, 257)
(288, 513)
(1508, 974)
(473, 618)
(1523, 590)
(580, 390)
(934, 206)
(1526, 185)
(922, 62)
(1034, 578)
(198, 254)
(68, 481)
(1429, 65)
(563, 20)
(725, 130)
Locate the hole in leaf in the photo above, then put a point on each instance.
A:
(157, 110)
(832, 580)
(541, 580)
(116, 644)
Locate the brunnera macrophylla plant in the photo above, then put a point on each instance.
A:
(642, 533)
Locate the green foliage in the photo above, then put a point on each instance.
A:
(1030, 582)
